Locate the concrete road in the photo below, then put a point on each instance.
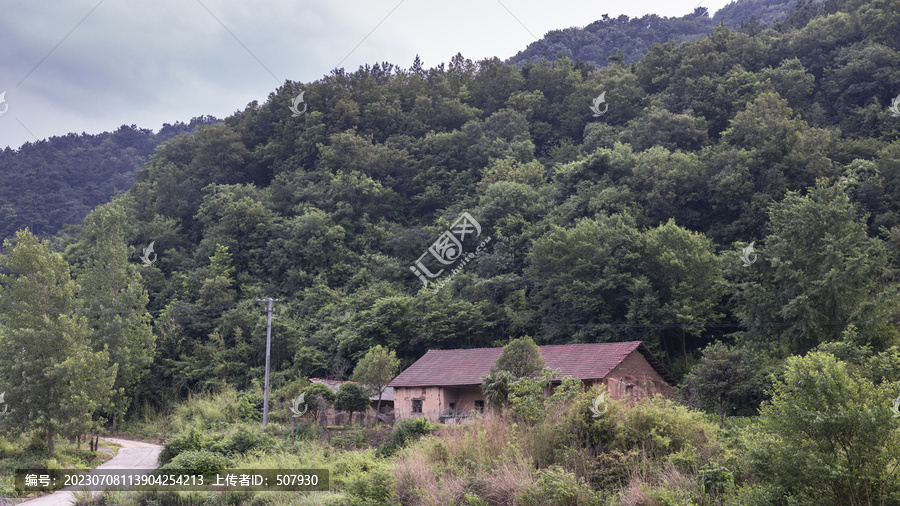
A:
(133, 455)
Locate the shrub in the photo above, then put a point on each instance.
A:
(403, 432)
(669, 496)
(580, 428)
(187, 442)
(495, 387)
(662, 427)
(250, 406)
(348, 471)
(526, 397)
(471, 499)
(351, 439)
(306, 431)
(715, 479)
(827, 435)
(198, 461)
(375, 488)
(556, 486)
(246, 440)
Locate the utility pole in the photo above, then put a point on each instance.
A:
(268, 352)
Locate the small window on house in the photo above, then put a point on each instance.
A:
(417, 405)
(453, 407)
(479, 406)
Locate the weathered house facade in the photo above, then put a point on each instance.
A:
(445, 384)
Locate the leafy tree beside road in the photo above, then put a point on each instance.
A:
(52, 379)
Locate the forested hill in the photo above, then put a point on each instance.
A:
(624, 225)
(75, 173)
(629, 39)
(54, 182)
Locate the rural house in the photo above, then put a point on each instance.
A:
(444, 385)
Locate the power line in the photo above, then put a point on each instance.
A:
(614, 325)
(218, 310)
(99, 311)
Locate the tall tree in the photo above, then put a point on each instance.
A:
(110, 288)
(376, 370)
(725, 379)
(818, 270)
(582, 275)
(351, 397)
(520, 357)
(52, 378)
(685, 277)
(827, 436)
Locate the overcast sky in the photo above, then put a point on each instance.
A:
(93, 65)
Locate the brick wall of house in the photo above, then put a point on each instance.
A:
(635, 376)
(432, 402)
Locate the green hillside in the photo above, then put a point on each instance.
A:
(47, 184)
(733, 202)
(629, 39)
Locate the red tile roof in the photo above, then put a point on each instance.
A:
(467, 367)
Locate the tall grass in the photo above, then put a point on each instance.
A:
(648, 453)
(147, 422)
(207, 411)
(485, 457)
(203, 411)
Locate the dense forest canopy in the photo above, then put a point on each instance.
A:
(628, 39)
(47, 184)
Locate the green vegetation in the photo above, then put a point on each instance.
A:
(625, 40)
(353, 398)
(53, 380)
(29, 450)
(376, 369)
(826, 436)
(520, 357)
(627, 226)
(405, 431)
(48, 184)
(312, 394)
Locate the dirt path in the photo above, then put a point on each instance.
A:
(133, 455)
